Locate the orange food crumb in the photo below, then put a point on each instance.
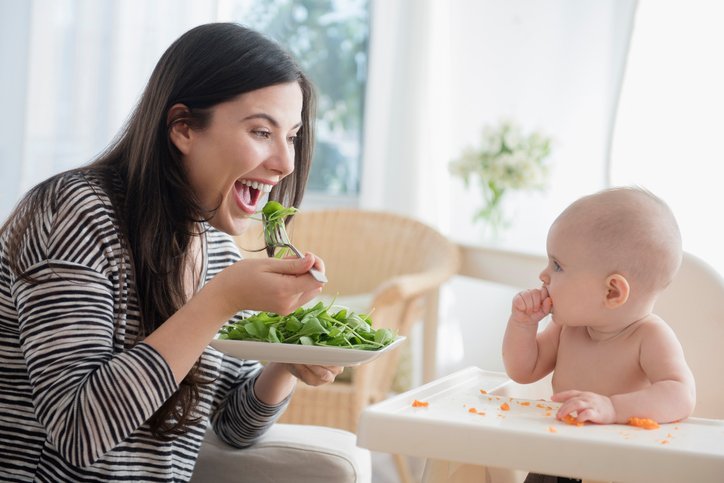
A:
(645, 423)
(551, 429)
(420, 404)
(483, 391)
(664, 441)
(505, 406)
(540, 406)
(568, 419)
(524, 403)
(472, 410)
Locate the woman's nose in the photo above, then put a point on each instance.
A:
(282, 159)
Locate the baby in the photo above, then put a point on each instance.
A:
(610, 255)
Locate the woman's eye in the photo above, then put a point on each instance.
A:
(262, 134)
(292, 139)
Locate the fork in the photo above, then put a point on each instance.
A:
(278, 238)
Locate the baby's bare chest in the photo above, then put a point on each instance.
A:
(609, 367)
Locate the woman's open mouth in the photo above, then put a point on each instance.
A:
(248, 193)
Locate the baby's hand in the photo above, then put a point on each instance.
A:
(531, 306)
(588, 406)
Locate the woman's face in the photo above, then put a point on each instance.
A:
(246, 149)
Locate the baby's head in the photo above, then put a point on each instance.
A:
(625, 232)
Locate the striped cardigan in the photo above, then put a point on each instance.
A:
(75, 385)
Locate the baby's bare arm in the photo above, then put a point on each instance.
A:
(670, 397)
(672, 394)
(527, 355)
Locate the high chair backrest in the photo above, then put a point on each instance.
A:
(693, 305)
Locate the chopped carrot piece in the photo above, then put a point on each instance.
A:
(524, 403)
(472, 410)
(420, 404)
(483, 391)
(551, 429)
(645, 423)
(540, 406)
(505, 406)
(568, 419)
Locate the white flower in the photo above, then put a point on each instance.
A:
(505, 160)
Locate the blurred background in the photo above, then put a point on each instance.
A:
(627, 92)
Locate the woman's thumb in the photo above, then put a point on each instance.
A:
(298, 266)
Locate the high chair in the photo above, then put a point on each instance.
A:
(691, 305)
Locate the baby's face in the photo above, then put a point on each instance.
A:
(572, 277)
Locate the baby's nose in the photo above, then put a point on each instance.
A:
(544, 277)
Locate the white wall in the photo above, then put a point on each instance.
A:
(553, 66)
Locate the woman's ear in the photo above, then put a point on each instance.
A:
(179, 130)
(617, 291)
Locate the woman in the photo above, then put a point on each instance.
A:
(114, 277)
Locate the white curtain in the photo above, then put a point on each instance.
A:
(441, 70)
(668, 135)
(407, 96)
(72, 71)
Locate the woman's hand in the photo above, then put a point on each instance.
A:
(278, 379)
(269, 284)
(315, 375)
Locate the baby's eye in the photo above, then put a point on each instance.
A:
(556, 267)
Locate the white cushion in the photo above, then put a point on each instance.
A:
(286, 453)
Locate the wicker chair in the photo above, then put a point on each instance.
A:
(399, 262)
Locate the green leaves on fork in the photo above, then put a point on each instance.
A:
(311, 326)
(273, 216)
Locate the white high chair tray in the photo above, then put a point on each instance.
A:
(462, 424)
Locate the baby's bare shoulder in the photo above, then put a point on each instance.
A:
(653, 324)
(654, 330)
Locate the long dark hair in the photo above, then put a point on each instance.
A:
(157, 209)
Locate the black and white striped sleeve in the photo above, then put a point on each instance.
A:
(88, 395)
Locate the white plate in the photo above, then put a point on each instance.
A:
(299, 354)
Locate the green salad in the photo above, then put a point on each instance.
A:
(317, 326)
(273, 216)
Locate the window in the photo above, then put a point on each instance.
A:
(330, 40)
(76, 70)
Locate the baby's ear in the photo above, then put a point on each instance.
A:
(617, 291)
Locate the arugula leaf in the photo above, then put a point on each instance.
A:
(312, 326)
(273, 216)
